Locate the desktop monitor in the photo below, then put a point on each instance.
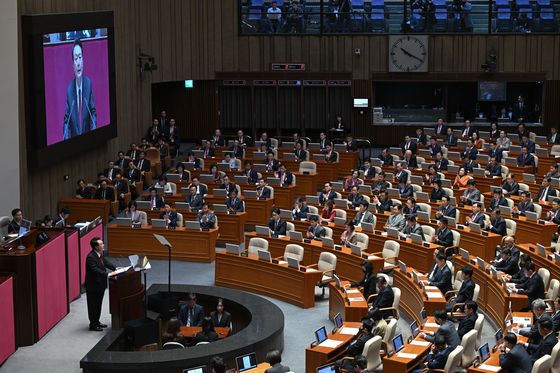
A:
(292, 262)
(321, 335)
(329, 368)
(498, 335)
(338, 321)
(398, 343)
(414, 328)
(200, 369)
(246, 362)
(484, 352)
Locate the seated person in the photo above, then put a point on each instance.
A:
(507, 264)
(525, 142)
(233, 203)
(363, 215)
(348, 236)
(434, 147)
(446, 330)
(445, 209)
(276, 225)
(270, 162)
(554, 214)
(432, 175)
(132, 213)
(382, 201)
(525, 158)
(396, 220)
(441, 163)
(190, 313)
(533, 285)
(330, 155)
(328, 213)
(497, 200)
(252, 175)
(227, 185)
(369, 171)
(385, 157)
(104, 192)
(208, 333)
(405, 189)
(450, 139)
(300, 209)
(493, 168)
(441, 276)
(216, 174)
(351, 144)
(545, 191)
(156, 201)
(194, 199)
(462, 178)
(356, 348)
(510, 186)
(15, 223)
(496, 224)
(355, 198)
(476, 217)
(263, 191)
(399, 175)
(200, 188)
(409, 160)
(368, 283)
(471, 194)
(315, 230)
(285, 176)
(548, 340)
(380, 184)
(184, 175)
(411, 208)
(162, 183)
(384, 297)
(443, 235)
(220, 317)
(513, 355)
(467, 323)
(465, 293)
(173, 332)
(470, 164)
(274, 358)
(352, 181)
(556, 315)
(299, 152)
(554, 172)
(208, 151)
(437, 358)
(237, 149)
(169, 216)
(206, 217)
(327, 194)
(524, 204)
(437, 192)
(531, 332)
(82, 192)
(412, 226)
(192, 159)
(379, 323)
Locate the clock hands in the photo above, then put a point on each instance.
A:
(410, 54)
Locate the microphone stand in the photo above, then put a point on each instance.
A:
(169, 270)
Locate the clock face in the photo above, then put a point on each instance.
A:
(408, 53)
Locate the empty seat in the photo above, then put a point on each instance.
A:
(362, 240)
(308, 167)
(390, 253)
(327, 265)
(389, 335)
(468, 342)
(294, 251)
(545, 275)
(257, 243)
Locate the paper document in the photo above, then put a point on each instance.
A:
(349, 331)
(428, 288)
(330, 343)
(372, 257)
(353, 291)
(420, 343)
(491, 368)
(121, 270)
(431, 325)
(310, 270)
(405, 355)
(433, 295)
(359, 299)
(282, 262)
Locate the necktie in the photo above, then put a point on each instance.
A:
(103, 194)
(101, 259)
(189, 317)
(140, 164)
(80, 110)
(153, 202)
(465, 132)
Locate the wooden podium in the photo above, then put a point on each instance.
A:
(126, 298)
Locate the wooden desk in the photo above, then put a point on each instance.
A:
(258, 211)
(492, 299)
(541, 261)
(192, 331)
(191, 245)
(413, 296)
(85, 209)
(284, 196)
(274, 280)
(349, 310)
(318, 355)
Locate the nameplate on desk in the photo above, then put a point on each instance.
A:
(274, 261)
(356, 299)
(353, 291)
(405, 355)
(542, 222)
(460, 227)
(433, 294)
(426, 244)
(232, 212)
(370, 257)
(484, 233)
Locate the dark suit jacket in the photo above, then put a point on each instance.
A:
(143, 164)
(447, 329)
(387, 161)
(133, 175)
(210, 220)
(208, 153)
(218, 141)
(73, 125)
(435, 149)
(442, 279)
(318, 231)
(174, 139)
(172, 218)
(439, 359)
(469, 165)
(277, 368)
(412, 162)
(236, 205)
(237, 152)
(288, 179)
(385, 299)
(133, 154)
(533, 287)
(466, 325)
(369, 173)
(331, 197)
(479, 219)
(224, 322)
(355, 200)
(451, 140)
(303, 211)
(301, 154)
(545, 347)
(498, 154)
(252, 176)
(441, 165)
(159, 202)
(437, 195)
(529, 160)
(512, 189)
(442, 131)
(445, 238)
(369, 284)
(551, 192)
(465, 292)
(265, 192)
(556, 140)
(498, 226)
(357, 347)
(229, 187)
(467, 154)
(121, 187)
(412, 147)
(122, 164)
(96, 272)
(195, 202)
(495, 203)
(525, 206)
(333, 157)
(85, 193)
(529, 144)
(109, 194)
(385, 205)
(196, 317)
(449, 211)
(470, 131)
(508, 266)
(517, 360)
(279, 228)
(401, 178)
(556, 321)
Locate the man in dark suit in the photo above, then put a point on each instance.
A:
(525, 158)
(355, 198)
(172, 136)
(169, 216)
(399, 175)
(507, 264)
(385, 157)
(276, 225)
(528, 143)
(356, 348)
(554, 214)
(192, 159)
(533, 285)
(434, 147)
(408, 144)
(133, 153)
(330, 155)
(270, 162)
(104, 192)
(233, 203)
(206, 217)
(441, 164)
(548, 340)
(510, 186)
(252, 175)
(497, 224)
(538, 307)
(227, 185)
(195, 200)
(156, 201)
(369, 170)
(323, 142)
(467, 323)
(208, 151)
(237, 149)
(494, 152)
(299, 209)
(450, 139)
(274, 359)
(554, 136)
(446, 330)
(263, 191)
(351, 144)
(218, 140)
(80, 115)
(315, 230)
(244, 141)
(200, 188)
(546, 191)
(410, 160)
(122, 161)
(382, 201)
(524, 204)
(441, 128)
(442, 276)
(476, 216)
(519, 114)
(556, 315)
(266, 140)
(470, 164)
(300, 153)
(497, 200)
(327, 194)
(470, 151)
(122, 188)
(220, 317)
(466, 291)
(190, 313)
(96, 282)
(445, 209)
(437, 358)
(467, 130)
(516, 360)
(412, 226)
(109, 172)
(285, 176)
(493, 168)
(384, 297)
(443, 235)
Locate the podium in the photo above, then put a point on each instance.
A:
(126, 298)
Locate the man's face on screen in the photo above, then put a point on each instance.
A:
(78, 61)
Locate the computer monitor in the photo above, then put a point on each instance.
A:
(416, 238)
(402, 266)
(498, 336)
(218, 207)
(246, 362)
(541, 250)
(484, 352)
(424, 314)
(158, 223)
(398, 343)
(367, 227)
(321, 335)
(329, 368)
(123, 221)
(262, 230)
(295, 236)
(219, 192)
(328, 242)
(338, 321)
(200, 369)
(414, 328)
(233, 249)
(292, 262)
(264, 255)
(475, 227)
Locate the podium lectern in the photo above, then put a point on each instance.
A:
(126, 298)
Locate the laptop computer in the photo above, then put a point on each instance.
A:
(195, 225)
(246, 362)
(314, 200)
(241, 179)
(123, 221)
(475, 227)
(530, 178)
(218, 207)
(264, 255)
(262, 230)
(158, 223)
(295, 236)
(143, 205)
(393, 192)
(321, 335)
(286, 214)
(288, 144)
(398, 343)
(289, 156)
(182, 206)
(273, 181)
(339, 221)
(531, 216)
(367, 227)
(337, 185)
(329, 368)
(414, 330)
(252, 194)
(200, 369)
(505, 210)
(541, 250)
(402, 266)
(422, 215)
(220, 193)
(481, 263)
(292, 262)
(484, 352)
(392, 232)
(338, 321)
(233, 249)
(416, 238)
(422, 196)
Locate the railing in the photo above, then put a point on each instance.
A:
(379, 16)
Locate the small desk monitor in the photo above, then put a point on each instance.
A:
(498, 336)
(233, 249)
(329, 368)
(321, 335)
(292, 262)
(398, 343)
(246, 362)
(158, 223)
(402, 266)
(295, 236)
(367, 227)
(338, 321)
(484, 352)
(264, 255)
(414, 328)
(194, 225)
(200, 369)
(424, 314)
(262, 230)
(123, 221)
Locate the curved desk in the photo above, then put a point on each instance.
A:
(351, 304)
(264, 331)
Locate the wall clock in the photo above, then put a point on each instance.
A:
(408, 53)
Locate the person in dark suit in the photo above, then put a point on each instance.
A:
(218, 140)
(442, 277)
(327, 194)
(194, 199)
(385, 157)
(208, 333)
(441, 128)
(276, 225)
(109, 172)
(399, 175)
(122, 188)
(105, 193)
(263, 191)
(300, 153)
(356, 348)
(437, 358)
(368, 170)
(470, 164)
(450, 139)
(351, 144)
(315, 230)
(323, 141)
(172, 137)
(546, 190)
(548, 340)
(408, 144)
(206, 217)
(507, 264)
(122, 162)
(220, 317)
(382, 201)
(154, 132)
(521, 129)
(465, 293)
(252, 175)
(143, 164)
(497, 200)
(556, 315)
(493, 168)
(270, 162)
(470, 151)
(330, 155)
(410, 160)
(368, 283)
(441, 164)
(437, 192)
(524, 204)
(495, 152)
(421, 136)
(299, 209)
(494, 131)
(82, 192)
(244, 141)
(379, 184)
(553, 172)
(274, 358)
(192, 159)
(525, 158)
(355, 198)
(61, 220)
(443, 235)
(169, 216)
(446, 330)
(156, 202)
(533, 285)
(434, 147)
(510, 187)
(190, 313)
(80, 115)
(266, 140)
(96, 282)
(363, 215)
(285, 176)
(384, 297)
(227, 185)
(554, 214)
(233, 203)
(467, 324)
(133, 152)
(467, 130)
(496, 224)
(554, 136)
(133, 176)
(476, 217)
(208, 151)
(530, 145)
(412, 226)
(516, 360)
(446, 210)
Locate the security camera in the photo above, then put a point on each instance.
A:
(357, 51)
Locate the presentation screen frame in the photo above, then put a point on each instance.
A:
(39, 154)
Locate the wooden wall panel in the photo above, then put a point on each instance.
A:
(193, 39)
